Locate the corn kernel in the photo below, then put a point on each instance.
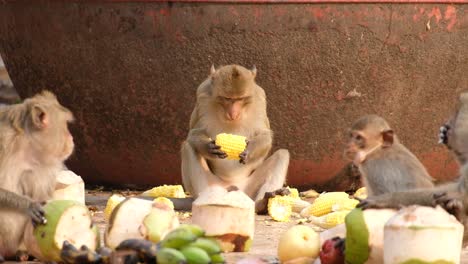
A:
(233, 145)
(347, 204)
(171, 191)
(279, 208)
(294, 193)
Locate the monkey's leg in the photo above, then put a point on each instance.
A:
(196, 175)
(269, 176)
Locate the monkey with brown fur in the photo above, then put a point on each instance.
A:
(230, 101)
(385, 164)
(34, 143)
(452, 196)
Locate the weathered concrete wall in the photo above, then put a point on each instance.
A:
(129, 72)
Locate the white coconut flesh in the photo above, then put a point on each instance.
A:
(125, 221)
(74, 226)
(420, 234)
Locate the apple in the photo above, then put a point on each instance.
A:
(297, 242)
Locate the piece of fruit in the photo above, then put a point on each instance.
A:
(227, 216)
(217, 259)
(364, 235)
(171, 191)
(66, 220)
(280, 208)
(112, 202)
(233, 145)
(345, 205)
(332, 251)
(69, 186)
(178, 238)
(195, 229)
(211, 246)
(164, 200)
(125, 221)
(324, 204)
(170, 256)
(420, 234)
(195, 255)
(361, 193)
(160, 221)
(298, 241)
(329, 220)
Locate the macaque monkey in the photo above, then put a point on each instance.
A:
(229, 101)
(453, 197)
(385, 164)
(34, 143)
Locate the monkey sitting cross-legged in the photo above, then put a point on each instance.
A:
(230, 101)
(34, 143)
(384, 163)
(453, 197)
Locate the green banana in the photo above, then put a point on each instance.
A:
(195, 229)
(178, 238)
(211, 246)
(195, 255)
(170, 256)
(217, 259)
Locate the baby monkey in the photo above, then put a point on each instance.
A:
(385, 164)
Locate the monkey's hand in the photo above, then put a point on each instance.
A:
(451, 204)
(215, 150)
(243, 156)
(36, 213)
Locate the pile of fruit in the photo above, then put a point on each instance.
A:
(188, 244)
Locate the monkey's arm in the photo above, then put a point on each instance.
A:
(15, 201)
(258, 146)
(204, 145)
(425, 197)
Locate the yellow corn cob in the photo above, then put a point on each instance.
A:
(279, 208)
(329, 220)
(294, 193)
(361, 193)
(233, 145)
(324, 203)
(345, 205)
(164, 200)
(113, 201)
(172, 191)
(298, 205)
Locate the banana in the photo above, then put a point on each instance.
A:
(170, 256)
(178, 238)
(196, 230)
(211, 246)
(217, 259)
(195, 255)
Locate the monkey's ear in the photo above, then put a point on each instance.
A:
(254, 71)
(387, 137)
(39, 117)
(235, 72)
(212, 70)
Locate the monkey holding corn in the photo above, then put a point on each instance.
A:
(231, 108)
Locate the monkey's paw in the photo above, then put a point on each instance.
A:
(215, 150)
(36, 213)
(146, 249)
(444, 134)
(452, 205)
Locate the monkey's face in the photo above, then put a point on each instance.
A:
(356, 142)
(232, 109)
